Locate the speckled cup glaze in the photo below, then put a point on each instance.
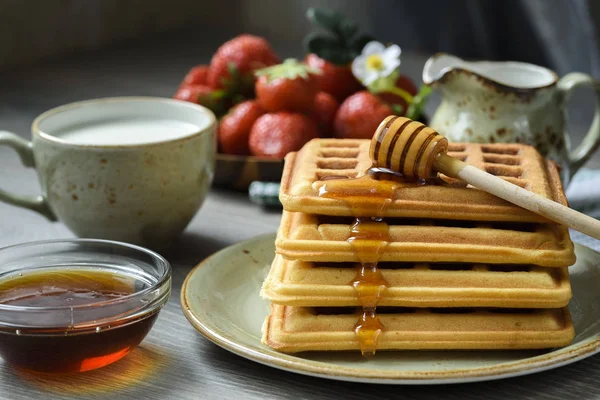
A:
(491, 102)
(142, 193)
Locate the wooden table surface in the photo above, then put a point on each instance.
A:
(175, 361)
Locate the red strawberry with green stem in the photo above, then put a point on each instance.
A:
(234, 63)
(333, 53)
(290, 86)
(203, 95)
(230, 75)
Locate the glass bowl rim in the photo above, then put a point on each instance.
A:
(164, 278)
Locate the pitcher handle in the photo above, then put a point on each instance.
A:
(590, 142)
(25, 151)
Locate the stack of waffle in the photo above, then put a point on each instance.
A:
(366, 261)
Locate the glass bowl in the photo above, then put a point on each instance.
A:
(90, 328)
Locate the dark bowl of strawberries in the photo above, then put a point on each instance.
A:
(268, 108)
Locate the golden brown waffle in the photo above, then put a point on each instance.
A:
(308, 171)
(300, 283)
(322, 238)
(293, 329)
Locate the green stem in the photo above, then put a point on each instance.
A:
(415, 109)
(401, 92)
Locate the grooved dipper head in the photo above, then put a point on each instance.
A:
(406, 146)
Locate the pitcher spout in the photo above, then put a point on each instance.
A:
(507, 76)
(440, 64)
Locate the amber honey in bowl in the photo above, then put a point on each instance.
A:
(78, 317)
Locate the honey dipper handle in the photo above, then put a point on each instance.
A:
(517, 195)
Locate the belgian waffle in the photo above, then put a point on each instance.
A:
(440, 265)
(308, 171)
(294, 329)
(311, 237)
(299, 283)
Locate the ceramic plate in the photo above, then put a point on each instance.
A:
(220, 297)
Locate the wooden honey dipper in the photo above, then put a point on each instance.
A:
(416, 151)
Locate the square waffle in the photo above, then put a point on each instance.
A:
(310, 237)
(440, 265)
(311, 284)
(308, 172)
(294, 329)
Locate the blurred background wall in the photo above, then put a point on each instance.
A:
(560, 34)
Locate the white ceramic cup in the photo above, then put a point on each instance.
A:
(133, 169)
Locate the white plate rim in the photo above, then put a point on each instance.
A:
(291, 363)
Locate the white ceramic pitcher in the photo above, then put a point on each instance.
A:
(490, 102)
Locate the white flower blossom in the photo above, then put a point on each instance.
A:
(375, 62)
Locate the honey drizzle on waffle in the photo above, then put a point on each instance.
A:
(369, 237)
(377, 185)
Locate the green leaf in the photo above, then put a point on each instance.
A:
(308, 40)
(397, 108)
(326, 19)
(232, 69)
(316, 42)
(348, 29)
(337, 57)
(238, 98)
(343, 44)
(359, 43)
(218, 94)
(328, 48)
(415, 109)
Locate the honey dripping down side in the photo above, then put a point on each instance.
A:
(369, 238)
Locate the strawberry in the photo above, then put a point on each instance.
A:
(192, 93)
(359, 116)
(336, 80)
(203, 95)
(405, 83)
(235, 126)
(276, 134)
(235, 61)
(196, 76)
(324, 113)
(290, 86)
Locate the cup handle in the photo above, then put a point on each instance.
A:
(583, 152)
(25, 151)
